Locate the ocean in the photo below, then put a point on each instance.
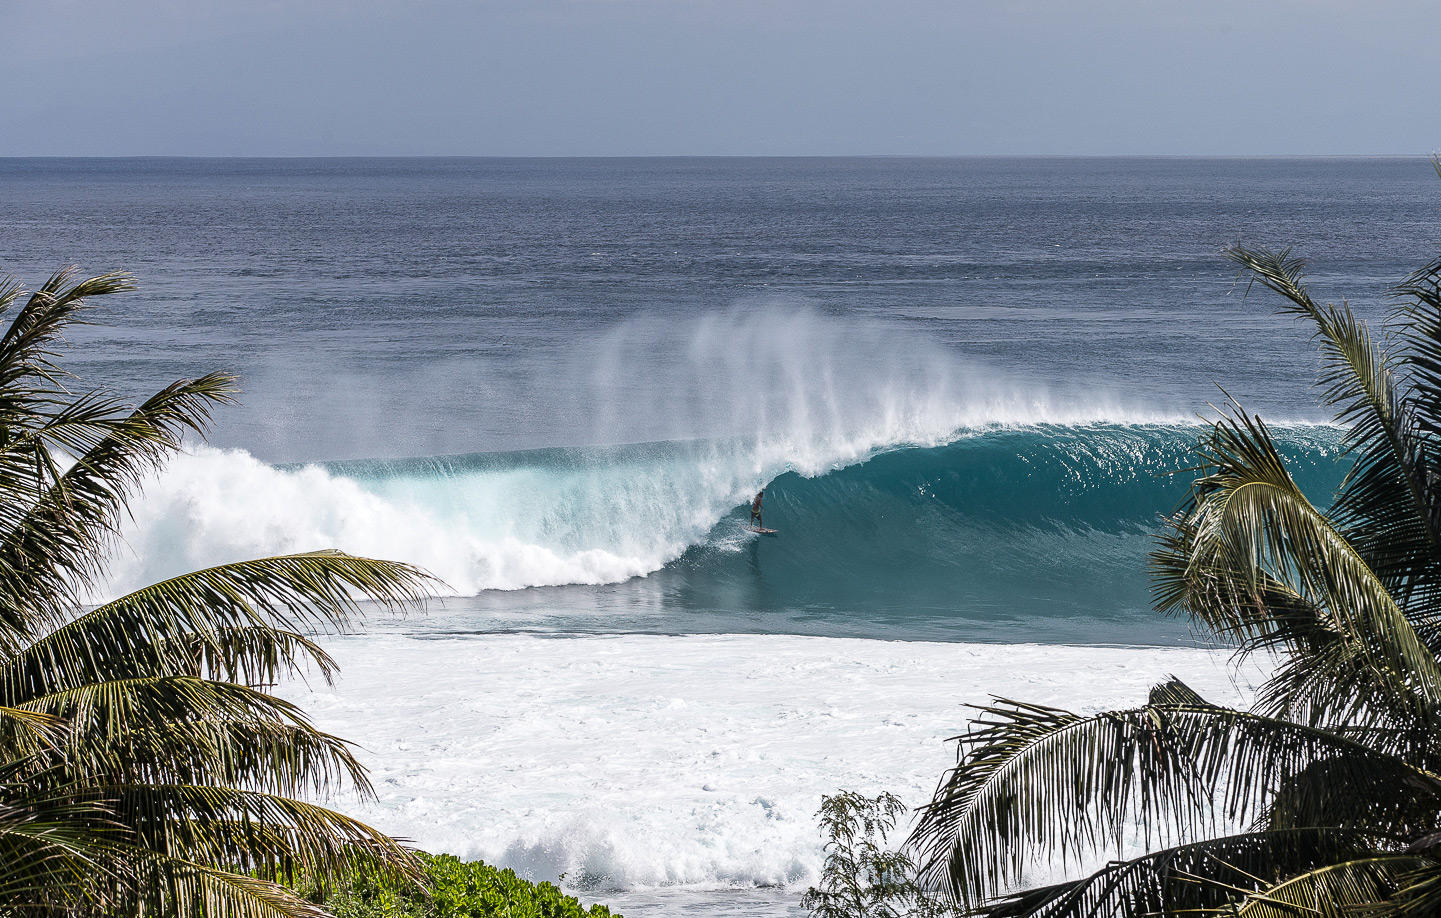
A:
(966, 384)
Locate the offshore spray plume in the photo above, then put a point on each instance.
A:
(716, 407)
(815, 391)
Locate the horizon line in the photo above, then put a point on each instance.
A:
(618, 156)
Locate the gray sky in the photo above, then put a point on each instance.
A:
(622, 77)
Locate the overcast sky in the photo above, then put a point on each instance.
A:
(622, 77)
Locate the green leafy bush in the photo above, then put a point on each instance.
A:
(862, 876)
(458, 889)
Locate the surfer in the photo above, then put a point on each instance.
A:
(756, 510)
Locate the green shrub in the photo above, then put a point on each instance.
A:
(458, 889)
(862, 876)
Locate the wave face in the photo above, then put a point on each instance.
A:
(995, 527)
(998, 526)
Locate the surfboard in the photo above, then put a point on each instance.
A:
(758, 530)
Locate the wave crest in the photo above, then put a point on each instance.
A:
(973, 517)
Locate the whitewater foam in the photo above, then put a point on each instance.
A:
(640, 762)
(215, 506)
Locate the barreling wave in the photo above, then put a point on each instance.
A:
(1034, 519)
(1004, 528)
(905, 476)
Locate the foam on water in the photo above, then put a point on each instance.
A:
(646, 762)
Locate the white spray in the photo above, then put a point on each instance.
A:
(740, 397)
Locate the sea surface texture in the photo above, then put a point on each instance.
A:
(966, 384)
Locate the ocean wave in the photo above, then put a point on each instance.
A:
(889, 456)
(1050, 507)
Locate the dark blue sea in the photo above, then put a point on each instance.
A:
(963, 379)
(557, 384)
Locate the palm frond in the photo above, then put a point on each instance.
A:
(56, 847)
(202, 892)
(319, 590)
(1334, 686)
(242, 619)
(1387, 507)
(1417, 895)
(168, 728)
(55, 545)
(10, 290)
(254, 830)
(1420, 313)
(144, 769)
(109, 644)
(1334, 890)
(1195, 878)
(1340, 751)
(1334, 791)
(26, 348)
(187, 889)
(1251, 535)
(274, 756)
(1036, 779)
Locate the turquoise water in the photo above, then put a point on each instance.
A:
(1038, 533)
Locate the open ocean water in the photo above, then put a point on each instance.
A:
(557, 383)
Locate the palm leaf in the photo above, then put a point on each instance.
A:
(254, 830)
(196, 890)
(273, 756)
(164, 728)
(1334, 890)
(27, 347)
(1252, 534)
(1386, 505)
(57, 545)
(56, 849)
(1417, 895)
(240, 619)
(1194, 878)
(147, 770)
(184, 888)
(1034, 778)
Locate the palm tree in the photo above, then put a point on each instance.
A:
(1323, 796)
(144, 768)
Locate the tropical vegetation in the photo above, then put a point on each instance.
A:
(144, 766)
(864, 876)
(1324, 796)
(451, 888)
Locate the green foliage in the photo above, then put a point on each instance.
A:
(862, 878)
(1334, 775)
(144, 767)
(457, 889)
